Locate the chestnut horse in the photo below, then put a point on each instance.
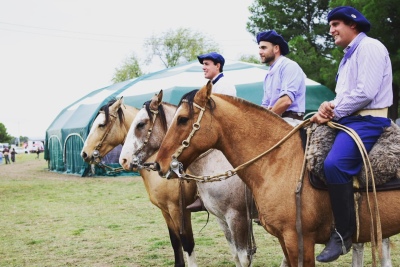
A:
(109, 130)
(243, 131)
(225, 199)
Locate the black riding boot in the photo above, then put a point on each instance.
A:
(196, 206)
(342, 202)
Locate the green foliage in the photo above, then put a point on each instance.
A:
(250, 59)
(4, 136)
(178, 46)
(130, 69)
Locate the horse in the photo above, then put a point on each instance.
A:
(227, 200)
(243, 131)
(109, 130)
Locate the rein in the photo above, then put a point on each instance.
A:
(177, 167)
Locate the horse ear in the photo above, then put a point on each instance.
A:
(118, 104)
(156, 101)
(160, 95)
(204, 94)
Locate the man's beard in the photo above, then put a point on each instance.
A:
(269, 59)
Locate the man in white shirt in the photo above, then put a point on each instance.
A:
(213, 64)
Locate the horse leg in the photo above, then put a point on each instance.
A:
(228, 235)
(358, 255)
(175, 241)
(186, 237)
(291, 246)
(386, 260)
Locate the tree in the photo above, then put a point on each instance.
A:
(178, 46)
(130, 69)
(4, 136)
(303, 24)
(250, 59)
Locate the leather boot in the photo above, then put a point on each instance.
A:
(196, 206)
(342, 202)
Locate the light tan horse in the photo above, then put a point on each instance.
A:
(109, 130)
(224, 199)
(242, 131)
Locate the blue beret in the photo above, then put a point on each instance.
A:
(273, 37)
(214, 56)
(351, 14)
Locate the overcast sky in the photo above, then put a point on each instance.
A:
(53, 52)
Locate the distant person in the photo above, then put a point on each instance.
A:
(37, 152)
(1, 157)
(13, 155)
(6, 153)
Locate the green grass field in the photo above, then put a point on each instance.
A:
(52, 219)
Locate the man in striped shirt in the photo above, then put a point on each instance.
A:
(284, 84)
(363, 94)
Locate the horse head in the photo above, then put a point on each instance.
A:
(107, 131)
(146, 132)
(193, 122)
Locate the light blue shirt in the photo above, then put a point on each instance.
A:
(365, 79)
(285, 77)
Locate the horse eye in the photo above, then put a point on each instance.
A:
(183, 120)
(140, 125)
(101, 125)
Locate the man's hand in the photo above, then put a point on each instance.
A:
(324, 114)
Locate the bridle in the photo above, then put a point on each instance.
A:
(135, 159)
(96, 154)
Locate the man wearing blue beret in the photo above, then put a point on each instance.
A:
(363, 95)
(284, 84)
(213, 65)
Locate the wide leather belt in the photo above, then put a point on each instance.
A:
(382, 112)
(293, 115)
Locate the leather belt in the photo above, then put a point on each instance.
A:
(293, 115)
(382, 112)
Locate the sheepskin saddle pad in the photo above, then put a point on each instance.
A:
(384, 155)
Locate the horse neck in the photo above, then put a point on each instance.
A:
(251, 130)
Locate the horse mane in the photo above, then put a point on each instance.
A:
(106, 110)
(189, 97)
(161, 112)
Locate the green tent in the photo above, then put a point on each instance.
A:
(66, 135)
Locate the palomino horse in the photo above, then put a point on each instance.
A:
(224, 199)
(109, 130)
(243, 131)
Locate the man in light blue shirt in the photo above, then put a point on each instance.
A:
(284, 84)
(363, 94)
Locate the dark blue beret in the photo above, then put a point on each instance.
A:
(214, 56)
(351, 14)
(273, 37)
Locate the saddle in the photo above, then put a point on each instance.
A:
(384, 158)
